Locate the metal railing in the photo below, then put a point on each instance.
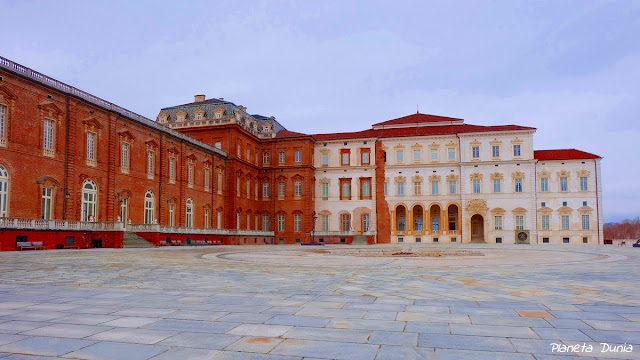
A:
(68, 89)
(39, 224)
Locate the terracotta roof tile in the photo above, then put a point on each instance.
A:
(417, 118)
(563, 154)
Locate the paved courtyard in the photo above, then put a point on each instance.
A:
(294, 302)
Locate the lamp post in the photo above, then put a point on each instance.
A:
(313, 232)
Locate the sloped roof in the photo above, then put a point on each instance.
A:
(420, 131)
(286, 134)
(417, 118)
(563, 154)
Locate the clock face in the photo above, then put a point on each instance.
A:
(522, 235)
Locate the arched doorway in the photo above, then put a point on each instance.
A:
(401, 219)
(453, 219)
(477, 229)
(418, 219)
(435, 219)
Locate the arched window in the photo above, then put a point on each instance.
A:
(149, 207)
(89, 201)
(189, 212)
(4, 191)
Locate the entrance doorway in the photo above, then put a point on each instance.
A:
(477, 229)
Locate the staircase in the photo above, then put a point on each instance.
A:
(359, 240)
(131, 240)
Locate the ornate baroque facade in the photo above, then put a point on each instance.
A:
(210, 169)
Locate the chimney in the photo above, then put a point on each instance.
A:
(221, 99)
(198, 98)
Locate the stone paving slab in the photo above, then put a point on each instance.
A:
(117, 351)
(110, 302)
(326, 349)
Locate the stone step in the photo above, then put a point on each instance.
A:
(132, 240)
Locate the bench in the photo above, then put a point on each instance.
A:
(35, 245)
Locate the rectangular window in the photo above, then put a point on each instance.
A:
(150, 164)
(281, 190)
(498, 222)
(434, 187)
(417, 188)
(516, 151)
(564, 183)
(265, 222)
(498, 240)
(265, 190)
(496, 185)
(346, 222)
(545, 222)
(416, 155)
(124, 157)
(366, 189)
(255, 190)
(519, 222)
(237, 221)
(325, 223)
(281, 157)
(434, 154)
(565, 222)
(190, 174)
(386, 188)
(220, 182)
(495, 151)
(255, 221)
(476, 186)
(91, 147)
(451, 153)
(3, 110)
(47, 140)
(452, 187)
(565, 240)
(365, 157)
(345, 158)
(47, 202)
(584, 186)
(206, 218)
(518, 185)
(475, 152)
(248, 185)
(239, 152)
(345, 187)
(247, 154)
(400, 188)
(585, 240)
(298, 188)
(172, 214)
(298, 154)
(325, 159)
(172, 170)
(545, 240)
(586, 223)
(206, 180)
(280, 222)
(544, 184)
(399, 156)
(238, 186)
(265, 158)
(297, 222)
(325, 190)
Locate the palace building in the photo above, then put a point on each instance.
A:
(79, 171)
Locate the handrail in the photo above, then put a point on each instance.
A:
(40, 224)
(191, 230)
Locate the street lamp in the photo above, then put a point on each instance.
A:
(313, 232)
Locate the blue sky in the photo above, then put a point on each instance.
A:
(569, 68)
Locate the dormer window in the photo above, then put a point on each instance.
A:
(180, 118)
(218, 115)
(199, 116)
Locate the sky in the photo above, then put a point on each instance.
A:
(569, 68)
